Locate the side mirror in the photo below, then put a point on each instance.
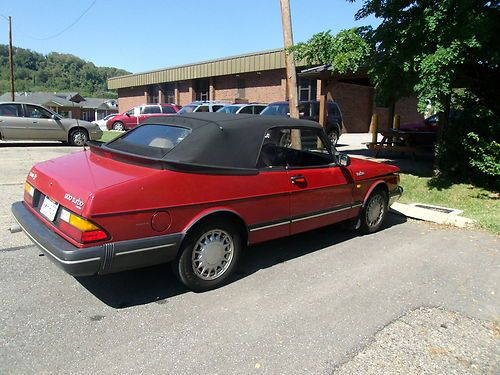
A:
(53, 117)
(344, 160)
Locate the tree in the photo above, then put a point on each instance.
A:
(346, 51)
(431, 47)
(445, 51)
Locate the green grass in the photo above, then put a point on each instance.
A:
(477, 203)
(109, 135)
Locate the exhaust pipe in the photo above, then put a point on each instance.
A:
(15, 229)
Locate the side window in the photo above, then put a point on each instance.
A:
(215, 108)
(151, 109)
(202, 108)
(167, 109)
(247, 110)
(37, 112)
(10, 110)
(286, 147)
(305, 109)
(258, 109)
(130, 112)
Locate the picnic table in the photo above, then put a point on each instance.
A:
(403, 141)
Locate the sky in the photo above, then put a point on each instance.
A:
(152, 34)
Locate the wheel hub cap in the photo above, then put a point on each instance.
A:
(212, 254)
(374, 211)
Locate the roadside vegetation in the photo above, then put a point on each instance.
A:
(55, 72)
(477, 203)
(109, 135)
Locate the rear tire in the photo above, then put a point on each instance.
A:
(78, 137)
(118, 125)
(208, 255)
(374, 212)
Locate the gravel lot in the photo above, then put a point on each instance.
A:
(413, 298)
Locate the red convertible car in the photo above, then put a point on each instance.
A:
(194, 190)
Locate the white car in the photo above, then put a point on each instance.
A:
(250, 108)
(102, 122)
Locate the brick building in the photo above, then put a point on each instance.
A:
(257, 77)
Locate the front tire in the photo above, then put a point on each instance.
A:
(374, 212)
(118, 125)
(208, 255)
(78, 137)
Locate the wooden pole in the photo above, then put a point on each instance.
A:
(11, 61)
(374, 127)
(291, 74)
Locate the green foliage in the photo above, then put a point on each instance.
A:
(430, 47)
(469, 150)
(347, 51)
(34, 71)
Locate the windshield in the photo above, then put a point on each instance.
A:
(275, 110)
(188, 109)
(229, 109)
(150, 140)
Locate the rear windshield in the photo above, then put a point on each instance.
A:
(188, 109)
(150, 140)
(229, 109)
(275, 110)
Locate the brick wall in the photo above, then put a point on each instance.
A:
(130, 97)
(356, 103)
(265, 87)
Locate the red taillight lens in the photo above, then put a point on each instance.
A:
(96, 235)
(79, 228)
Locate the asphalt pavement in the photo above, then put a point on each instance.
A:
(412, 298)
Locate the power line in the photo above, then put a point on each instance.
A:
(67, 27)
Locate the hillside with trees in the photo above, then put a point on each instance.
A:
(34, 71)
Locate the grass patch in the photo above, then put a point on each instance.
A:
(109, 135)
(479, 204)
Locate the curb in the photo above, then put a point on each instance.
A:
(432, 216)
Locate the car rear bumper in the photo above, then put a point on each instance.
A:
(395, 195)
(101, 259)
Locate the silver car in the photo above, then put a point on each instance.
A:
(27, 121)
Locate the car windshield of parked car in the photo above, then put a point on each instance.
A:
(187, 109)
(275, 110)
(150, 140)
(307, 149)
(229, 109)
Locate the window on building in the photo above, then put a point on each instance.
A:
(169, 92)
(153, 94)
(202, 89)
(86, 116)
(307, 89)
(241, 88)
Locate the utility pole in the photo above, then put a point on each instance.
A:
(11, 61)
(291, 74)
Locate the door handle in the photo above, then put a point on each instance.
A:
(298, 179)
(35, 122)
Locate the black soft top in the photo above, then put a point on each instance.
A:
(219, 140)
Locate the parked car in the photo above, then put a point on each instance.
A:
(309, 110)
(28, 121)
(195, 191)
(250, 108)
(202, 106)
(102, 122)
(134, 116)
(431, 122)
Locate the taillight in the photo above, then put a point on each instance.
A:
(28, 193)
(80, 229)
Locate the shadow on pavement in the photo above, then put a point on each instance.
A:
(157, 284)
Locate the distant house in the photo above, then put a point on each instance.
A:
(68, 104)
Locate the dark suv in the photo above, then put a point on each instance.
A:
(309, 110)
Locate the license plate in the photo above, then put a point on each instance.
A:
(49, 208)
